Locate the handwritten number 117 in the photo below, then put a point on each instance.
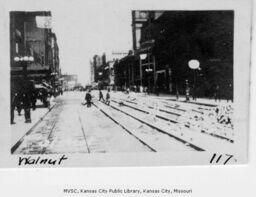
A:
(215, 158)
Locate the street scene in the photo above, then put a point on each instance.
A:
(164, 84)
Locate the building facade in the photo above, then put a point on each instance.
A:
(69, 82)
(165, 41)
(34, 51)
(99, 71)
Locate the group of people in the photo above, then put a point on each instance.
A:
(107, 100)
(217, 92)
(25, 97)
(21, 101)
(88, 97)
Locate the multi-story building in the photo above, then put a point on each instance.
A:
(98, 70)
(34, 52)
(165, 41)
(102, 72)
(139, 17)
(54, 62)
(127, 72)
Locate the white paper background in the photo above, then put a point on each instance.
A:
(241, 79)
(210, 181)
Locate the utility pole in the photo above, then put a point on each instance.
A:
(154, 71)
(134, 39)
(140, 71)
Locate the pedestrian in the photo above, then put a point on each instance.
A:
(27, 96)
(43, 96)
(177, 94)
(141, 89)
(101, 96)
(34, 98)
(230, 93)
(217, 93)
(19, 103)
(26, 99)
(88, 98)
(135, 88)
(40, 96)
(148, 90)
(108, 97)
(194, 93)
(145, 90)
(49, 100)
(14, 97)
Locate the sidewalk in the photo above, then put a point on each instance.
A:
(20, 128)
(182, 98)
(200, 101)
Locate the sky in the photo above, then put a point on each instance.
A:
(89, 29)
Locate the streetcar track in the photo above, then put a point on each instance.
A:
(49, 136)
(179, 109)
(82, 127)
(123, 127)
(19, 142)
(174, 121)
(156, 128)
(161, 131)
(189, 102)
(55, 120)
(141, 110)
(161, 110)
(146, 112)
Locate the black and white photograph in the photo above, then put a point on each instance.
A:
(127, 83)
(166, 86)
(142, 98)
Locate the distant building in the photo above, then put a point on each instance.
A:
(69, 81)
(102, 72)
(97, 69)
(92, 74)
(111, 73)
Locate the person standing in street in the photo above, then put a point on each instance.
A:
(108, 97)
(88, 98)
(101, 96)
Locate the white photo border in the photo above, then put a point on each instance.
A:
(242, 47)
